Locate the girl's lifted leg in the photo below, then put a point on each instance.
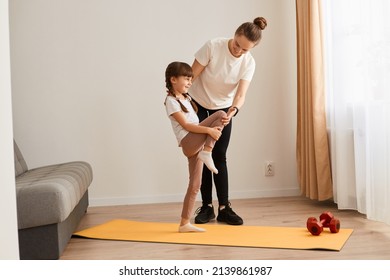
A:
(205, 157)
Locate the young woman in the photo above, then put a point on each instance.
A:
(196, 139)
(223, 69)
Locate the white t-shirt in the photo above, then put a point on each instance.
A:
(173, 106)
(216, 86)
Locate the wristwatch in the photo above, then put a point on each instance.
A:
(237, 110)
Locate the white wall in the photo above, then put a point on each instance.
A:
(88, 84)
(9, 234)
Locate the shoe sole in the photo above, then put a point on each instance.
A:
(232, 224)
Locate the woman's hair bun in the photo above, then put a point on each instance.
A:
(260, 22)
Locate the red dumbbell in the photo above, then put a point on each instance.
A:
(327, 220)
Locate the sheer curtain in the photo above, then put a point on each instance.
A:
(357, 44)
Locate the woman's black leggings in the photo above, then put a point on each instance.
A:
(219, 157)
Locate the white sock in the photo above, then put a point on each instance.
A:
(190, 228)
(206, 158)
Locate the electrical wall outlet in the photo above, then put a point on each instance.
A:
(269, 168)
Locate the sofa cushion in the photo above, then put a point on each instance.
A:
(20, 163)
(48, 194)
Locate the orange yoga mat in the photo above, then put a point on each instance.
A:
(217, 234)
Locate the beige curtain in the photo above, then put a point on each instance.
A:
(314, 169)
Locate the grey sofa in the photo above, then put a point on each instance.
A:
(51, 200)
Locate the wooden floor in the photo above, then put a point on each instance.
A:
(369, 241)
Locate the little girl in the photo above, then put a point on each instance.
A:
(196, 139)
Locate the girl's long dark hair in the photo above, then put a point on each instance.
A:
(177, 69)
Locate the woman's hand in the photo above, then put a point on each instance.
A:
(230, 113)
(215, 132)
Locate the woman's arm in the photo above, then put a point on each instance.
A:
(214, 132)
(239, 99)
(197, 68)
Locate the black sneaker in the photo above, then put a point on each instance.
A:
(228, 216)
(204, 214)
